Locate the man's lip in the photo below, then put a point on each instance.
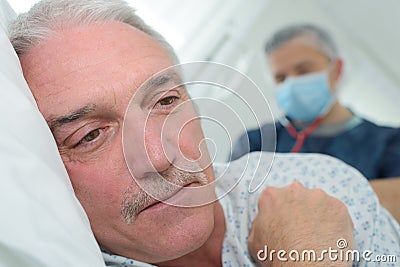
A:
(156, 201)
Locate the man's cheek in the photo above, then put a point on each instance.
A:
(94, 184)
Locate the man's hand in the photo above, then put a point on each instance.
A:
(296, 218)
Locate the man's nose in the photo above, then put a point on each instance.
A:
(147, 148)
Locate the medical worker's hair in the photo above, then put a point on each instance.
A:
(48, 17)
(310, 35)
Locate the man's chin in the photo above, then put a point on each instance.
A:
(179, 234)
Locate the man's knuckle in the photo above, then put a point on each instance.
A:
(269, 191)
(296, 186)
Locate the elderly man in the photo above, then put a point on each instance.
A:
(84, 60)
(306, 66)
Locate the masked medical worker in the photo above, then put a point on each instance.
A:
(306, 66)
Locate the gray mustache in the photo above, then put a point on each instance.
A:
(157, 186)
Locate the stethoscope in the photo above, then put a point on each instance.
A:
(302, 135)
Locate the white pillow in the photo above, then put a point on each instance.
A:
(41, 221)
(6, 14)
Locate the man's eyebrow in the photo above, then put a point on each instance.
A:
(57, 122)
(159, 80)
(304, 63)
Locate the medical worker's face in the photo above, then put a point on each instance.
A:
(83, 80)
(294, 59)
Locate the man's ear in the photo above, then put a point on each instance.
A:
(337, 69)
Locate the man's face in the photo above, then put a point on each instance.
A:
(83, 80)
(295, 59)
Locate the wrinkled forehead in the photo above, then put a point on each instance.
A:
(91, 62)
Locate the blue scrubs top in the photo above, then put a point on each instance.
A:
(373, 150)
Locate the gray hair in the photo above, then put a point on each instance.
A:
(315, 37)
(48, 17)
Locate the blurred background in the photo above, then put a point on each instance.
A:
(233, 32)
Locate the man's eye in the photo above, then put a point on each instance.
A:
(303, 71)
(90, 136)
(280, 78)
(168, 100)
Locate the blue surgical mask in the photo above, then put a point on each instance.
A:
(306, 97)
